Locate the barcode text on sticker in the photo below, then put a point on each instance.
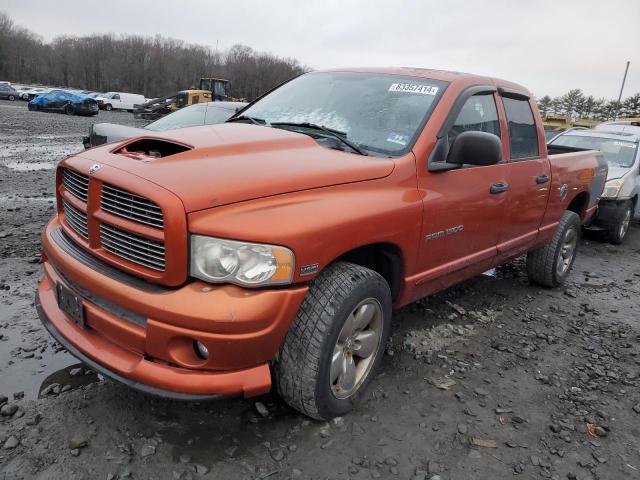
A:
(413, 88)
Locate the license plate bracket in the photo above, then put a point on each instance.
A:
(71, 304)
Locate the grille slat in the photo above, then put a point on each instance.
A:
(76, 219)
(118, 237)
(76, 184)
(132, 247)
(129, 205)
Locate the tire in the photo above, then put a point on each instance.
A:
(303, 368)
(620, 226)
(550, 265)
(12, 97)
(108, 107)
(69, 110)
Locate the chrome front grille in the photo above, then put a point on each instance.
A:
(132, 247)
(129, 205)
(76, 184)
(77, 219)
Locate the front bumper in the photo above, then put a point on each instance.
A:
(144, 337)
(609, 212)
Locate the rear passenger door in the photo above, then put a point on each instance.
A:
(529, 175)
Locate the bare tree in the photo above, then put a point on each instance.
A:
(153, 66)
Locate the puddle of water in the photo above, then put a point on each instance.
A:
(63, 377)
(30, 166)
(26, 375)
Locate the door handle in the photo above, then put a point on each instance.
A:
(499, 187)
(540, 179)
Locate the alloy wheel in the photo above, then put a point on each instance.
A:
(356, 349)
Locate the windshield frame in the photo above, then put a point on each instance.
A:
(373, 151)
(613, 139)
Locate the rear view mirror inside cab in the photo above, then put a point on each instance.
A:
(150, 148)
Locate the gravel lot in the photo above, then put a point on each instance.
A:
(492, 379)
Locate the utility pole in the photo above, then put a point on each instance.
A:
(624, 79)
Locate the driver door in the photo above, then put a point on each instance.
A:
(464, 209)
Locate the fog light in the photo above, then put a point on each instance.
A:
(201, 351)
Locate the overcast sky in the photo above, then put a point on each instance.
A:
(549, 46)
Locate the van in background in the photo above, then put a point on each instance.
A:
(120, 100)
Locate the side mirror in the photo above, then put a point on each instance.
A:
(475, 148)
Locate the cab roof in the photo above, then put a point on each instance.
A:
(442, 75)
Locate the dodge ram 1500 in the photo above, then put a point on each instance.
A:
(217, 260)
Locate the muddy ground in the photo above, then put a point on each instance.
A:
(492, 379)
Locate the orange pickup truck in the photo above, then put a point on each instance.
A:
(217, 260)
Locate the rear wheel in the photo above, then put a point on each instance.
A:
(549, 266)
(69, 110)
(336, 342)
(618, 230)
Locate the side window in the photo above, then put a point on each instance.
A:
(523, 136)
(478, 114)
(116, 96)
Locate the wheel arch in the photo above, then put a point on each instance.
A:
(384, 258)
(579, 204)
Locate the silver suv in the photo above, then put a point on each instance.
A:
(618, 142)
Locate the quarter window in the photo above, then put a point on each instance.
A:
(478, 114)
(523, 135)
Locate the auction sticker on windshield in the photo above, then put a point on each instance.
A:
(413, 88)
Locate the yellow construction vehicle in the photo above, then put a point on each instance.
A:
(209, 89)
(184, 98)
(217, 86)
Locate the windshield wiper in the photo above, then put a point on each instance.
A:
(337, 134)
(254, 120)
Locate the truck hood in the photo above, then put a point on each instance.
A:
(235, 162)
(616, 172)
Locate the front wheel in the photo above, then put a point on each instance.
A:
(12, 97)
(618, 230)
(108, 107)
(336, 342)
(69, 110)
(549, 266)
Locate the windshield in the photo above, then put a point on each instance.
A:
(617, 153)
(187, 117)
(379, 113)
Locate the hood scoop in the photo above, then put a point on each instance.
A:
(147, 149)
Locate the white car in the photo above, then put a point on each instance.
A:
(120, 100)
(23, 92)
(36, 91)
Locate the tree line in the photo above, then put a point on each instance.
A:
(575, 104)
(152, 66)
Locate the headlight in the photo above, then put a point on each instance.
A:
(612, 188)
(249, 264)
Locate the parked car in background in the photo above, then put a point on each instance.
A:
(618, 143)
(200, 114)
(120, 100)
(7, 92)
(23, 92)
(64, 102)
(37, 91)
